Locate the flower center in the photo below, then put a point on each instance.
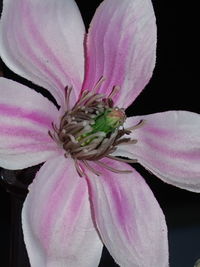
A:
(92, 129)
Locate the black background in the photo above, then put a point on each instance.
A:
(173, 87)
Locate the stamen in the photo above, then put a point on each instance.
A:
(93, 129)
(68, 91)
(54, 127)
(138, 125)
(78, 168)
(88, 155)
(87, 129)
(53, 136)
(98, 84)
(91, 137)
(106, 145)
(71, 137)
(91, 168)
(110, 168)
(93, 99)
(73, 128)
(125, 140)
(109, 102)
(114, 91)
(69, 145)
(84, 96)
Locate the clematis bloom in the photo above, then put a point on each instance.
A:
(86, 194)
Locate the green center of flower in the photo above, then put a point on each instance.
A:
(110, 120)
(105, 123)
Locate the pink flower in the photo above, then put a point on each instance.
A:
(83, 195)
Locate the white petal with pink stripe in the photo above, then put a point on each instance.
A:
(57, 223)
(42, 41)
(168, 144)
(25, 118)
(121, 47)
(128, 217)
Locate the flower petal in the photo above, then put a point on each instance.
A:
(169, 146)
(121, 47)
(128, 217)
(25, 118)
(57, 225)
(42, 41)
